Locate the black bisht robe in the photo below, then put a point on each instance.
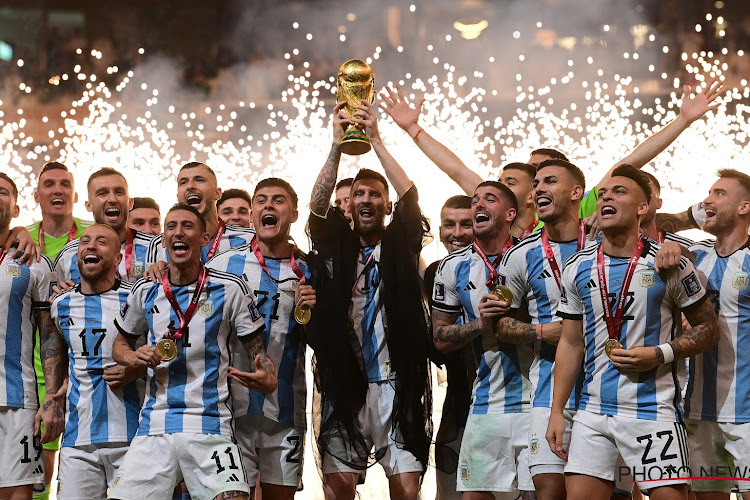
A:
(341, 379)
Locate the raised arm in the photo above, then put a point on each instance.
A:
(366, 116)
(407, 117)
(692, 108)
(674, 223)
(320, 199)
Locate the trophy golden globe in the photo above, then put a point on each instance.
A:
(356, 84)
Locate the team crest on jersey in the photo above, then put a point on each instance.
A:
(741, 280)
(136, 268)
(648, 278)
(124, 310)
(534, 446)
(13, 270)
(207, 308)
(691, 284)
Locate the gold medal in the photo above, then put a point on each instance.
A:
(302, 315)
(503, 293)
(168, 349)
(611, 344)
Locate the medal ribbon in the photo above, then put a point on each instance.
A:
(660, 236)
(262, 261)
(71, 235)
(128, 254)
(492, 266)
(188, 315)
(615, 324)
(216, 239)
(550, 254)
(529, 229)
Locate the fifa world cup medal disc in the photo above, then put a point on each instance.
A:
(168, 349)
(302, 315)
(611, 344)
(503, 293)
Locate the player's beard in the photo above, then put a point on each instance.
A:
(100, 274)
(721, 224)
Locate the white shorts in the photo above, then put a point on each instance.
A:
(210, 464)
(654, 453)
(494, 454)
(273, 449)
(376, 425)
(87, 471)
(719, 449)
(21, 457)
(541, 458)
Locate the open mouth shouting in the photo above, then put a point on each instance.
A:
(194, 199)
(91, 259)
(269, 221)
(57, 202)
(481, 220)
(366, 214)
(608, 211)
(710, 211)
(180, 248)
(543, 201)
(112, 214)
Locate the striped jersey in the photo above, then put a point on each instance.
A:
(368, 313)
(282, 338)
(233, 236)
(649, 319)
(94, 413)
(191, 393)
(23, 288)
(526, 271)
(66, 264)
(718, 388)
(502, 383)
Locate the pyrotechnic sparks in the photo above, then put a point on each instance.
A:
(595, 117)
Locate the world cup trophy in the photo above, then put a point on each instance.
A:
(355, 85)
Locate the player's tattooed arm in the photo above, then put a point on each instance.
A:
(320, 199)
(262, 374)
(703, 334)
(517, 329)
(448, 336)
(674, 223)
(231, 494)
(54, 356)
(53, 351)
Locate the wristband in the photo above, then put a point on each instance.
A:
(417, 135)
(541, 329)
(667, 352)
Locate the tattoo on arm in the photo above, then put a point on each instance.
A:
(253, 347)
(53, 351)
(449, 336)
(320, 199)
(674, 223)
(703, 334)
(516, 331)
(231, 494)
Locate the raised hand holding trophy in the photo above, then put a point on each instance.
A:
(355, 84)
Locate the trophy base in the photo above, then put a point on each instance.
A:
(354, 143)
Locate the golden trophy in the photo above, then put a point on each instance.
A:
(356, 84)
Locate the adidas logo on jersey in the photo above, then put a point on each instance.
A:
(470, 286)
(545, 274)
(591, 284)
(39, 469)
(153, 310)
(67, 322)
(233, 479)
